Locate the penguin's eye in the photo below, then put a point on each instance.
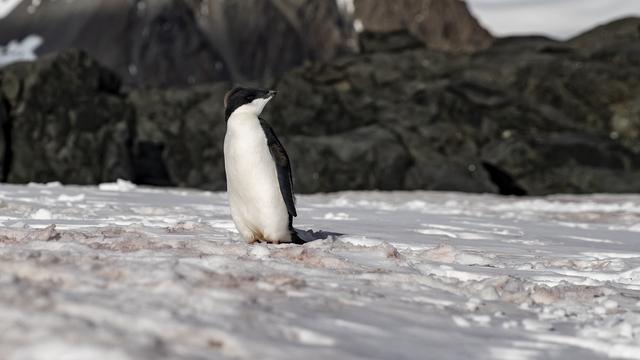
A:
(250, 97)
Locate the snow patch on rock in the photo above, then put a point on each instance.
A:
(20, 50)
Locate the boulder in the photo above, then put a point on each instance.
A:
(68, 121)
(526, 116)
(335, 162)
(372, 121)
(614, 43)
(440, 24)
(179, 136)
(620, 32)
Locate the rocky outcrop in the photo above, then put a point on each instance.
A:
(622, 32)
(528, 115)
(616, 44)
(264, 39)
(168, 43)
(165, 43)
(154, 43)
(67, 121)
(179, 137)
(441, 24)
(4, 128)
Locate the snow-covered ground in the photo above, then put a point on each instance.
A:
(120, 272)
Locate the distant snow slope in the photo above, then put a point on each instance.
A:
(120, 272)
(7, 6)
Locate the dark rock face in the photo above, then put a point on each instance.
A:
(617, 44)
(166, 43)
(336, 162)
(4, 128)
(156, 43)
(179, 139)
(440, 24)
(67, 121)
(527, 116)
(264, 39)
(620, 32)
(371, 42)
(385, 124)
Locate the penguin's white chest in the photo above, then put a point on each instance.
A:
(257, 206)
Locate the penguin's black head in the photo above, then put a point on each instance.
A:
(246, 100)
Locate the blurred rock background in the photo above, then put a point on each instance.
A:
(391, 95)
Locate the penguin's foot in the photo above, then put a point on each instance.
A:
(295, 239)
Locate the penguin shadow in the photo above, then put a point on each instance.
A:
(308, 236)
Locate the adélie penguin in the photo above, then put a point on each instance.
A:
(259, 181)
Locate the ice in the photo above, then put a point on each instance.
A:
(126, 272)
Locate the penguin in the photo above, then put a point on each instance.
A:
(258, 171)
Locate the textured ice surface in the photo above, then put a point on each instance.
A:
(119, 272)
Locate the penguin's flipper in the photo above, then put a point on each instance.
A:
(283, 166)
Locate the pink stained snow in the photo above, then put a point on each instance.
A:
(123, 272)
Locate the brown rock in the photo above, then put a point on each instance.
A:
(441, 24)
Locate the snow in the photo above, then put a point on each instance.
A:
(20, 50)
(125, 272)
(119, 185)
(7, 6)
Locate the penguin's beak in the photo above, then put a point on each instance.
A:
(272, 93)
